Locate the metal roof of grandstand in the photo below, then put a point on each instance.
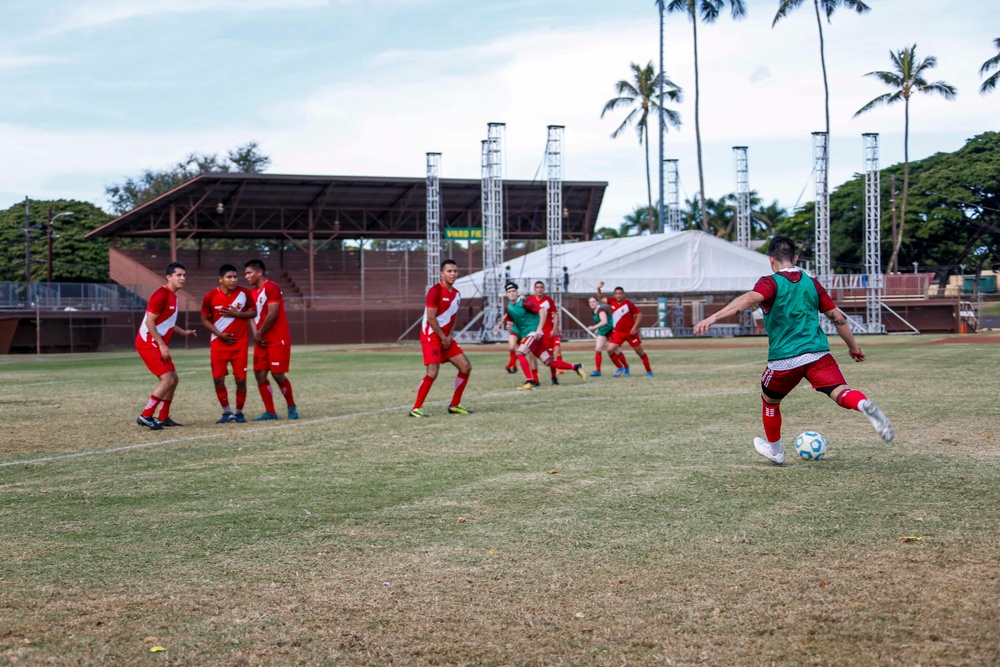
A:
(236, 205)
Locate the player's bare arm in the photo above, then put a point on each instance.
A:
(436, 327)
(226, 338)
(742, 302)
(635, 327)
(839, 320)
(230, 311)
(601, 297)
(269, 319)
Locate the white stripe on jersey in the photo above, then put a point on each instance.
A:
(443, 318)
(223, 322)
(163, 327)
(261, 300)
(618, 313)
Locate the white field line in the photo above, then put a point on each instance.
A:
(322, 420)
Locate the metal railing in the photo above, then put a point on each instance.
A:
(69, 297)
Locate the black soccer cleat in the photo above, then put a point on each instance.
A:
(167, 422)
(148, 422)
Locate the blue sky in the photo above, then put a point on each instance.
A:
(97, 90)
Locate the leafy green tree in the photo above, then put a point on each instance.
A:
(633, 224)
(955, 209)
(709, 11)
(73, 258)
(151, 184)
(640, 95)
(906, 78)
(828, 7)
(991, 64)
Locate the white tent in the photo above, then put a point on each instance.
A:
(689, 262)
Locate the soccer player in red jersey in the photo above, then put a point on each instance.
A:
(549, 318)
(224, 312)
(272, 340)
(797, 346)
(626, 318)
(442, 304)
(155, 333)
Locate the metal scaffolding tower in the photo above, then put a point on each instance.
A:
(433, 218)
(673, 196)
(492, 196)
(821, 165)
(554, 215)
(873, 236)
(742, 196)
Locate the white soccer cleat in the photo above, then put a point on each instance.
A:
(879, 421)
(763, 448)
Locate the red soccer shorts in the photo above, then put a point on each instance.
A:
(236, 355)
(156, 364)
(824, 372)
(619, 337)
(537, 345)
(275, 357)
(435, 354)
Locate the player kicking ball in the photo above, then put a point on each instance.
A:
(440, 313)
(225, 312)
(797, 346)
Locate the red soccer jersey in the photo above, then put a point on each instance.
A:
(549, 325)
(622, 314)
(768, 288)
(215, 302)
(268, 299)
(163, 304)
(446, 301)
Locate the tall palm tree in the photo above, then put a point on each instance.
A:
(991, 64)
(906, 79)
(709, 11)
(828, 7)
(640, 95)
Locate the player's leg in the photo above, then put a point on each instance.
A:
(774, 386)
(166, 377)
(825, 376)
(260, 371)
(614, 351)
(543, 353)
(461, 362)
(240, 374)
(169, 382)
(636, 344)
(222, 395)
(602, 341)
(430, 374)
(512, 344)
(530, 373)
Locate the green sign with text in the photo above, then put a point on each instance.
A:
(463, 233)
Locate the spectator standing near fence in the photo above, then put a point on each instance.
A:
(152, 343)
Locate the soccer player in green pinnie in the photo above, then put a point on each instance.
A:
(797, 346)
(524, 313)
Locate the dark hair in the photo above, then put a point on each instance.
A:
(618, 288)
(510, 285)
(446, 262)
(226, 268)
(172, 268)
(539, 282)
(781, 249)
(256, 265)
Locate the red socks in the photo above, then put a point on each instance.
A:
(164, 411)
(615, 360)
(525, 368)
(425, 386)
(513, 359)
(622, 361)
(461, 380)
(850, 399)
(150, 408)
(286, 391)
(597, 361)
(645, 362)
(559, 363)
(267, 397)
(223, 396)
(771, 416)
(241, 399)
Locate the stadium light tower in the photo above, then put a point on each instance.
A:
(433, 218)
(663, 129)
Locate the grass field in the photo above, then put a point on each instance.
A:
(625, 521)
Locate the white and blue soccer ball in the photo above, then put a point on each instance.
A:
(810, 446)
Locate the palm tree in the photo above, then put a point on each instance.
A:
(632, 224)
(906, 79)
(991, 64)
(828, 6)
(640, 95)
(709, 10)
